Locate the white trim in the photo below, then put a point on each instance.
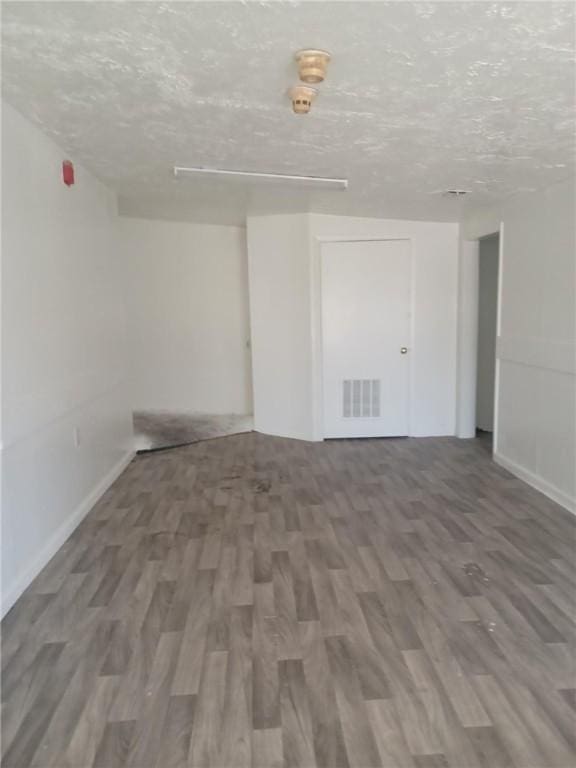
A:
(496, 406)
(412, 341)
(59, 536)
(467, 339)
(468, 342)
(537, 352)
(537, 482)
(34, 413)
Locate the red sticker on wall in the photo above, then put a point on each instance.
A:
(67, 173)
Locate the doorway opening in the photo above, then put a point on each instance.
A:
(488, 277)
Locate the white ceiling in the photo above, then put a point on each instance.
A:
(420, 97)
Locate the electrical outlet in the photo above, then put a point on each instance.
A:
(76, 437)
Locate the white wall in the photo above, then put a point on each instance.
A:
(487, 315)
(536, 418)
(284, 258)
(186, 293)
(280, 311)
(63, 351)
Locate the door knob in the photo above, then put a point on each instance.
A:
(403, 350)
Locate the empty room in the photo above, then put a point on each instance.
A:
(288, 359)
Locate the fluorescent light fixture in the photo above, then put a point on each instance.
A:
(310, 182)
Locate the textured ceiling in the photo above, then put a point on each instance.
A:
(419, 97)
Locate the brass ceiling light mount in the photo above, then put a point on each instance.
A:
(312, 65)
(302, 97)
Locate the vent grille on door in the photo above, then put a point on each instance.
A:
(361, 398)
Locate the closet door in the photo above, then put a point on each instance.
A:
(366, 290)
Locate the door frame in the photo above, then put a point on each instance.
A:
(468, 295)
(317, 352)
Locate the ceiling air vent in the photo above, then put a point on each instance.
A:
(456, 192)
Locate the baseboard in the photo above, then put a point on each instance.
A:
(537, 482)
(62, 533)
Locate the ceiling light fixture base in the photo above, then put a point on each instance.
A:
(312, 64)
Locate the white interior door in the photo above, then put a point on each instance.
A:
(366, 290)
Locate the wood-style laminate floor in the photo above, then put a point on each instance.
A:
(256, 601)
